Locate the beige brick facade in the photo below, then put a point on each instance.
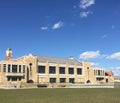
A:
(50, 71)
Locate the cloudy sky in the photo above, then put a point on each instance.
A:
(88, 30)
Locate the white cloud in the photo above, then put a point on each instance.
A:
(57, 25)
(44, 28)
(90, 55)
(85, 13)
(115, 56)
(118, 68)
(95, 64)
(86, 3)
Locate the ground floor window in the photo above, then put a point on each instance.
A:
(14, 78)
(8, 78)
(62, 80)
(52, 80)
(71, 80)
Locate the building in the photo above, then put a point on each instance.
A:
(117, 79)
(50, 71)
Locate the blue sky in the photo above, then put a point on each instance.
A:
(88, 30)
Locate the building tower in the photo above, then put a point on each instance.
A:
(8, 54)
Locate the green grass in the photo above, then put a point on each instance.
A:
(60, 96)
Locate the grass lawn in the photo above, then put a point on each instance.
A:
(60, 96)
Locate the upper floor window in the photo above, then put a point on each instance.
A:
(61, 70)
(9, 66)
(52, 70)
(41, 69)
(19, 68)
(79, 71)
(23, 68)
(4, 67)
(71, 70)
(99, 72)
(14, 68)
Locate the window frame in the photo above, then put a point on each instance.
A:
(79, 72)
(41, 70)
(61, 70)
(71, 70)
(52, 80)
(52, 69)
(62, 80)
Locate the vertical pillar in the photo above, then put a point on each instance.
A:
(11, 68)
(66, 71)
(6, 68)
(47, 71)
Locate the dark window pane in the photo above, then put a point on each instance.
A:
(71, 70)
(52, 80)
(52, 70)
(71, 80)
(62, 80)
(41, 69)
(79, 71)
(98, 72)
(4, 67)
(8, 78)
(14, 78)
(19, 68)
(23, 68)
(14, 68)
(62, 70)
(9, 67)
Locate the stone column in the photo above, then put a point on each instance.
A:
(11, 68)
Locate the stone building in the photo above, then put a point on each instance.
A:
(47, 70)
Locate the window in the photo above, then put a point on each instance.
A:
(62, 80)
(14, 78)
(52, 80)
(98, 72)
(4, 67)
(61, 70)
(19, 68)
(14, 68)
(71, 70)
(19, 78)
(52, 70)
(9, 66)
(41, 69)
(23, 68)
(71, 80)
(8, 78)
(79, 71)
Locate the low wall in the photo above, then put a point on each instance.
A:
(91, 86)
